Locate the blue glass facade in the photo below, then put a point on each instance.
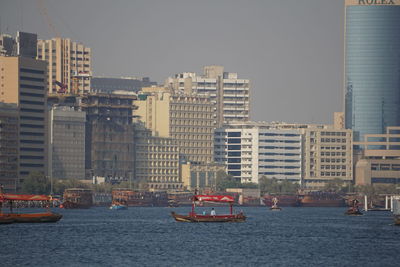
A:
(372, 68)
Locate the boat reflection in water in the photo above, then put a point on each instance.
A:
(197, 199)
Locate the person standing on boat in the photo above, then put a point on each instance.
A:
(213, 212)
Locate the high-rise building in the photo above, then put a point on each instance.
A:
(372, 66)
(229, 94)
(187, 118)
(23, 82)
(9, 146)
(67, 143)
(69, 64)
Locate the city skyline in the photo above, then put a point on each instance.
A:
(292, 54)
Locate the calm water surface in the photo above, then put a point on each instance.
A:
(150, 237)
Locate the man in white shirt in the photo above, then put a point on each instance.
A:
(213, 212)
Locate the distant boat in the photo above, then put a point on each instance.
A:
(11, 217)
(194, 217)
(118, 207)
(321, 199)
(77, 198)
(284, 200)
(275, 206)
(354, 209)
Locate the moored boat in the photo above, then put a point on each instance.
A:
(194, 217)
(321, 199)
(77, 198)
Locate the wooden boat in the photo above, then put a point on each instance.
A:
(13, 217)
(321, 199)
(77, 198)
(353, 212)
(194, 217)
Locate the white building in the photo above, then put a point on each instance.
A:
(252, 150)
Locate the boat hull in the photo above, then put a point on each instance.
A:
(208, 218)
(45, 217)
(353, 212)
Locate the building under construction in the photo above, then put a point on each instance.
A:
(109, 138)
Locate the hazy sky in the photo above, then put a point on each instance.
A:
(291, 50)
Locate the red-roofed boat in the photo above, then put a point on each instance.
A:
(12, 217)
(194, 217)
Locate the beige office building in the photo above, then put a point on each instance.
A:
(380, 158)
(156, 160)
(229, 94)
(186, 118)
(69, 63)
(327, 155)
(23, 82)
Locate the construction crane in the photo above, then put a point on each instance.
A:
(45, 13)
(63, 87)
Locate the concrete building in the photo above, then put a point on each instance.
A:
(229, 94)
(372, 66)
(252, 150)
(327, 155)
(112, 84)
(186, 118)
(9, 146)
(69, 63)
(380, 159)
(23, 82)
(67, 143)
(156, 160)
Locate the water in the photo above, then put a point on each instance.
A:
(150, 237)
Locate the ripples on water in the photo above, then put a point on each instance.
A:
(150, 237)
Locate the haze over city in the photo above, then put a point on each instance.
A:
(292, 51)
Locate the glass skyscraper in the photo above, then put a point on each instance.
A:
(372, 66)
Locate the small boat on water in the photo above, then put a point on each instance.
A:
(213, 217)
(354, 209)
(12, 217)
(275, 206)
(118, 207)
